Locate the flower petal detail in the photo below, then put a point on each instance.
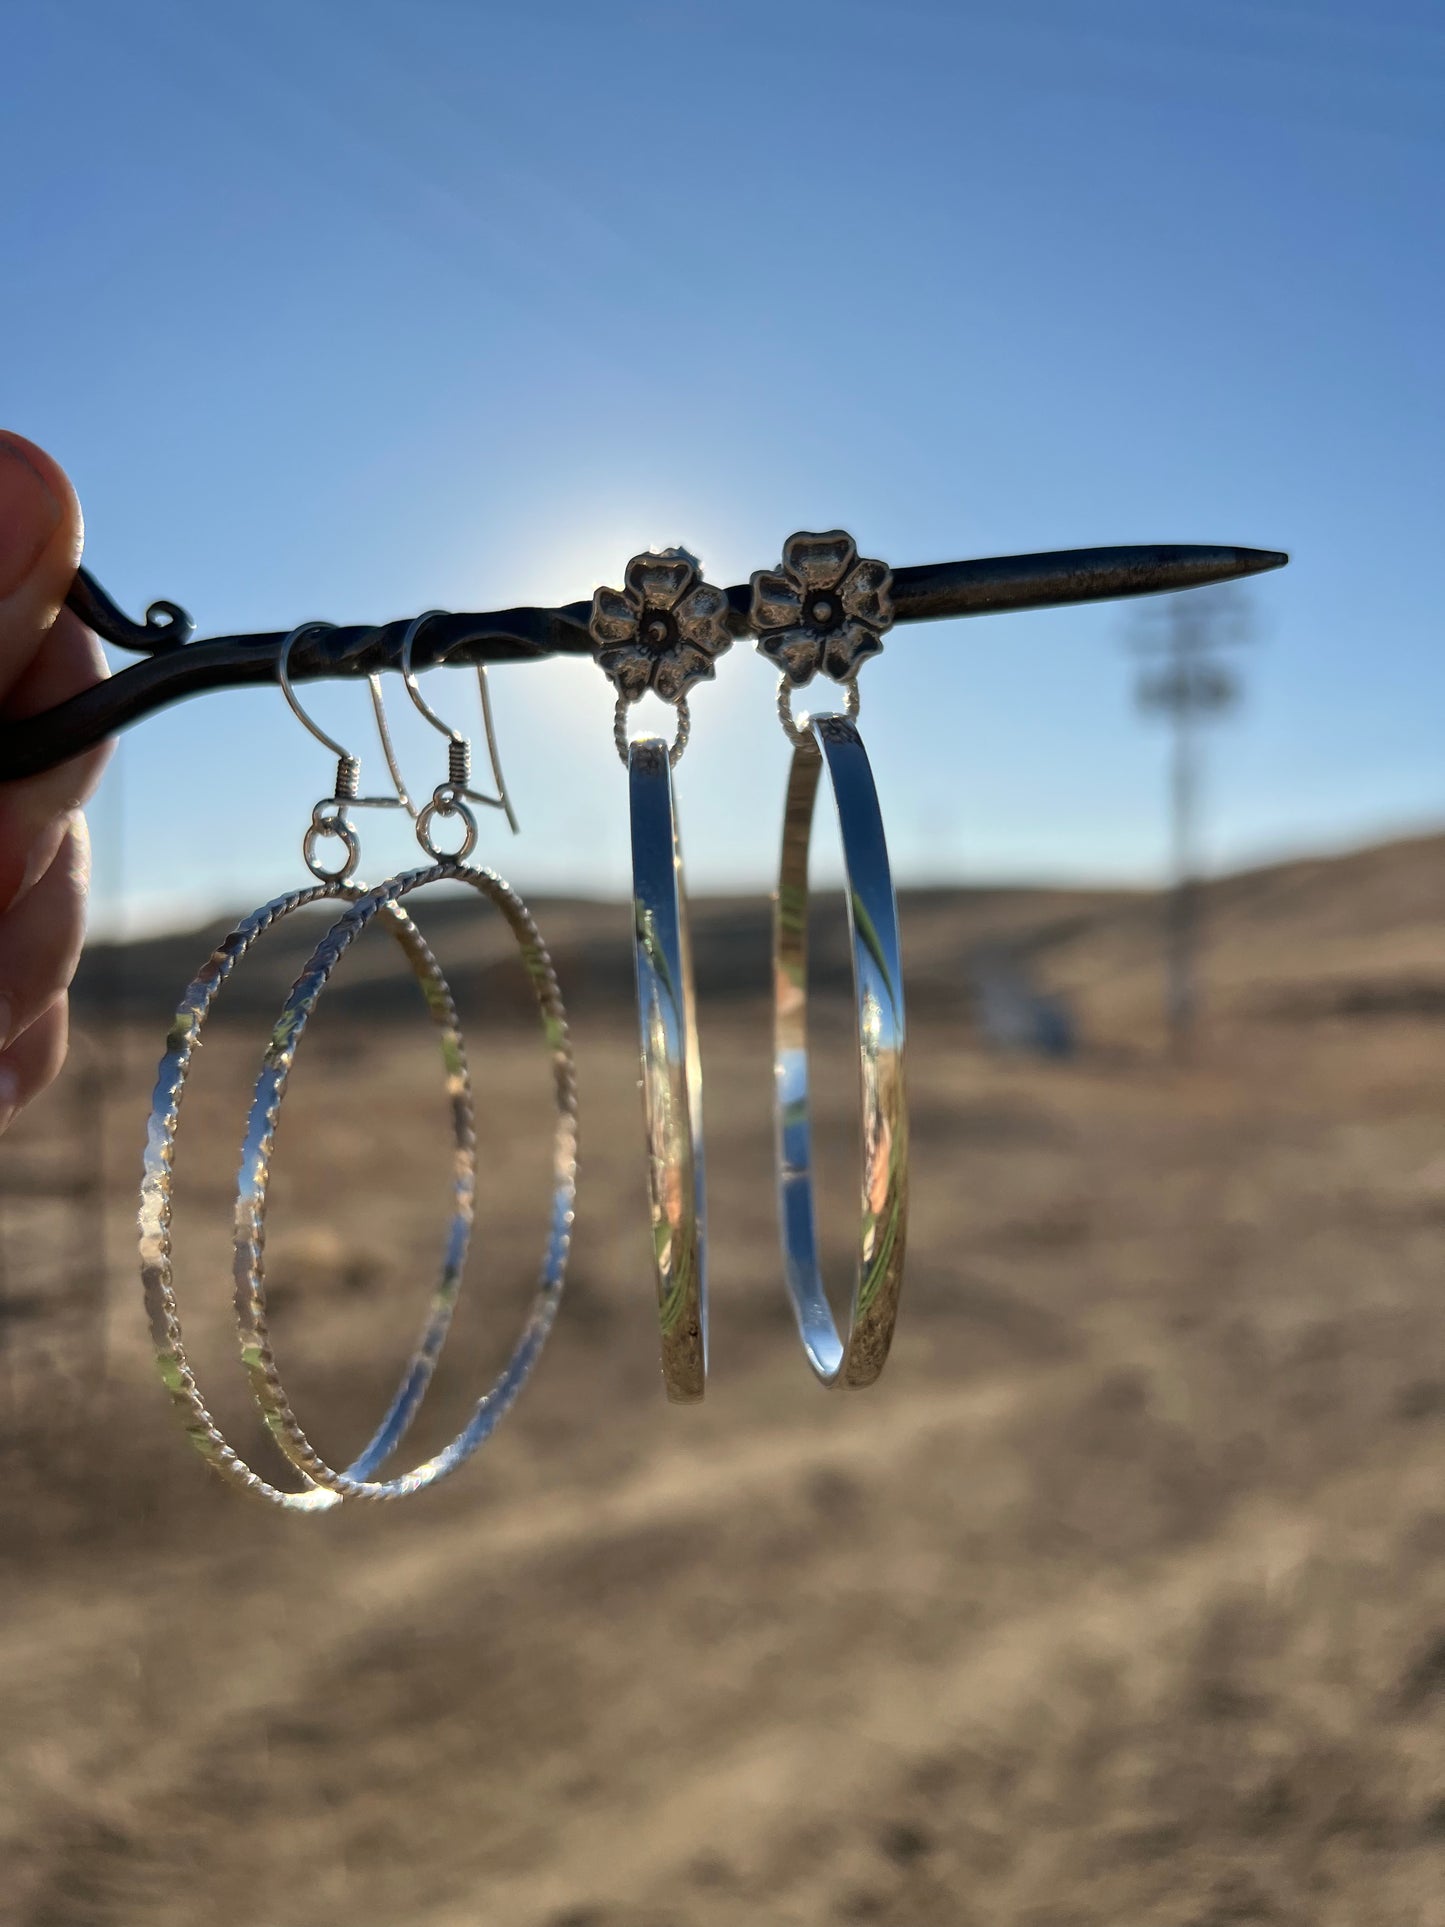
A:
(797, 653)
(865, 593)
(629, 667)
(661, 579)
(850, 643)
(776, 603)
(819, 561)
(679, 669)
(701, 619)
(613, 617)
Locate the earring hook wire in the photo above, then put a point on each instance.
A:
(460, 747)
(348, 767)
(388, 748)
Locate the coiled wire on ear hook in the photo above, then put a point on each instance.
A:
(329, 815)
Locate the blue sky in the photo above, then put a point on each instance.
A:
(350, 310)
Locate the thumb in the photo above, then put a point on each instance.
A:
(41, 534)
(46, 653)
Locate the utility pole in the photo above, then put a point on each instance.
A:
(1189, 688)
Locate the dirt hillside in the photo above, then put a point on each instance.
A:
(1120, 1599)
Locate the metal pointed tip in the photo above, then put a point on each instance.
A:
(1195, 565)
(1069, 575)
(1257, 561)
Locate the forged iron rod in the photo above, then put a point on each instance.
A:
(175, 667)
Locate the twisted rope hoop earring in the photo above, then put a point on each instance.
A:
(663, 632)
(450, 799)
(828, 609)
(355, 1481)
(329, 819)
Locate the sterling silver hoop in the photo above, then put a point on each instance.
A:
(833, 743)
(664, 632)
(156, 1199)
(671, 1071)
(254, 1176)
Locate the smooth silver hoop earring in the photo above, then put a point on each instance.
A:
(828, 609)
(663, 632)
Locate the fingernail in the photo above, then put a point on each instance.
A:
(29, 514)
(9, 1094)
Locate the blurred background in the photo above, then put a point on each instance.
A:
(1122, 1596)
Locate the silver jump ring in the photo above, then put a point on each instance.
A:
(622, 742)
(671, 1071)
(797, 730)
(156, 1201)
(255, 1174)
(443, 804)
(833, 743)
(336, 826)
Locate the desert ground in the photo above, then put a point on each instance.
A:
(1119, 1599)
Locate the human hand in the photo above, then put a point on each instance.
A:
(46, 654)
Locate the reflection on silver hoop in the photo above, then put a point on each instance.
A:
(671, 1071)
(253, 1181)
(156, 1200)
(835, 744)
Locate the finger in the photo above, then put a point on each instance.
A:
(69, 659)
(46, 653)
(41, 533)
(41, 937)
(32, 1063)
(35, 814)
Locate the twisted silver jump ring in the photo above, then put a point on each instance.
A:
(800, 734)
(622, 742)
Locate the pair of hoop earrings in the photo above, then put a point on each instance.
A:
(826, 609)
(323, 1485)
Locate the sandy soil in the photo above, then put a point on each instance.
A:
(1121, 1598)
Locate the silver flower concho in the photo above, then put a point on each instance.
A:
(664, 631)
(826, 609)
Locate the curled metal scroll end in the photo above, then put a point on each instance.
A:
(167, 625)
